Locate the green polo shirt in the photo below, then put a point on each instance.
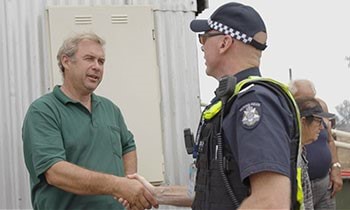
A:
(57, 128)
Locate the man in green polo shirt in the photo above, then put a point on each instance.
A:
(77, 147)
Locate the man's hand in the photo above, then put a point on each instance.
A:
(336, 181)
(136, 195)
(144, 182)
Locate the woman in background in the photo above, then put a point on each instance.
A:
(312, 123)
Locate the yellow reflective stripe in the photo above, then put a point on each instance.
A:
(300, 195)
(212, 111)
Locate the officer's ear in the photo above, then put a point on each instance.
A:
(226, 43)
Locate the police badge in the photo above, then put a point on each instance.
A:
(251, 114)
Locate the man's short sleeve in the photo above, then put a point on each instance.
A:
(42, 141)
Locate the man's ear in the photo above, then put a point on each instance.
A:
(65, 61)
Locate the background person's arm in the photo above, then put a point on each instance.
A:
(336, 181)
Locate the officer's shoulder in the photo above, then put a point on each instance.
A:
(254, 89)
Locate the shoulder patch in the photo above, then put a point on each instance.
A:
(250, 114)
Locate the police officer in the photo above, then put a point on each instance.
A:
(253, 127)
(248, 138)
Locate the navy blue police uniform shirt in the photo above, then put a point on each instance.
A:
(257, 129)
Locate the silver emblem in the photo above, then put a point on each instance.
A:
(250, 115)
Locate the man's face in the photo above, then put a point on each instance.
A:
(84, 71)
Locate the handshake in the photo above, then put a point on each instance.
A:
(140, 194)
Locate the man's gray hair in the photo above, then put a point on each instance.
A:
(294, 85)
(70, 45)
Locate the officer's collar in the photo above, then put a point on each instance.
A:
(244, 74)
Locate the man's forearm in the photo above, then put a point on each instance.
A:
(78, 180)
(75, 179)
(130, 162)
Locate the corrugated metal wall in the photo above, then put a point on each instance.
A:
(24, 77)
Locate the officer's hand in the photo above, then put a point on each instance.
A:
(124, 202)
(142, 180)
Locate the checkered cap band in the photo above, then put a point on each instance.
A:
(230, 31)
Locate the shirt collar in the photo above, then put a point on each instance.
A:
(254, 71)
(246, 73)
(58, 93)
